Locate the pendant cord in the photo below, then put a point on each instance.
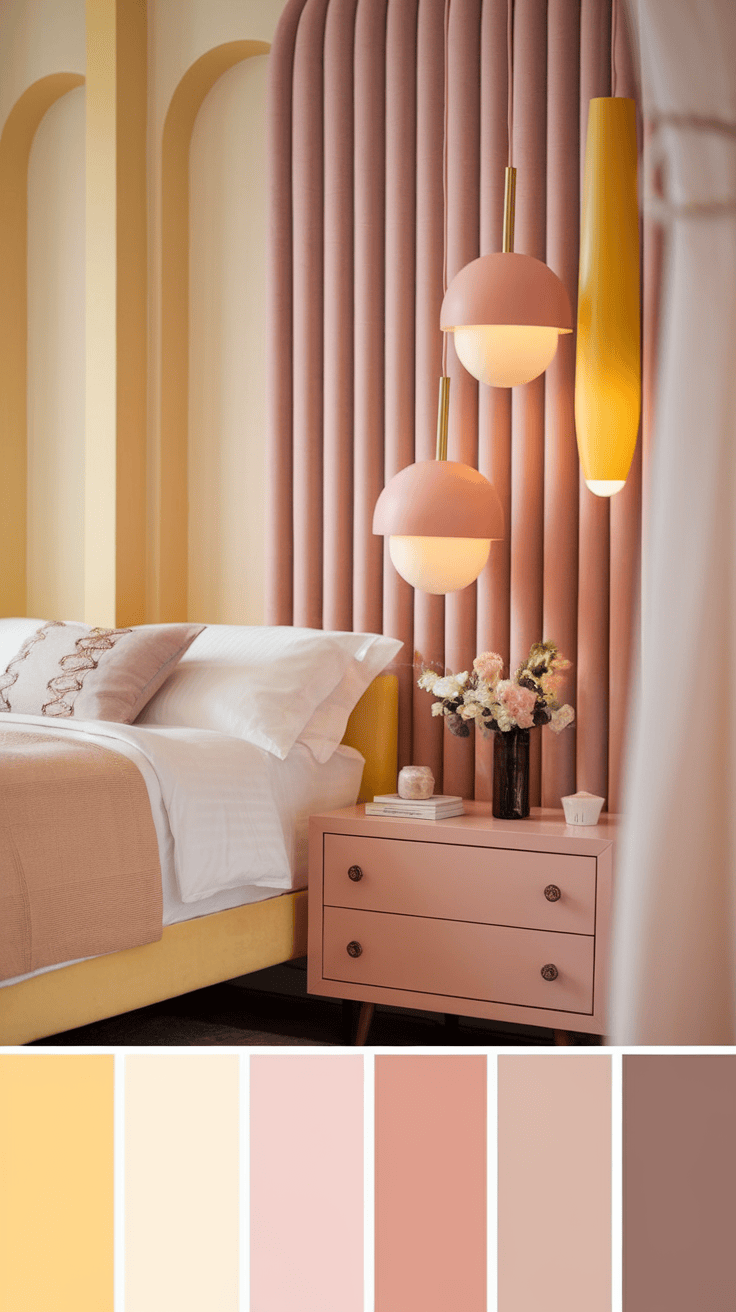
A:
(614, 27)
(510, 77)
(445, 174)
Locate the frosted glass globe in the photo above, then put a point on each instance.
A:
(439, 565)
(505, 355)
(605, 487)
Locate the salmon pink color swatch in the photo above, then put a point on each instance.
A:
(430, 1184)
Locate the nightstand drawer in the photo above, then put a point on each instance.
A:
(459, 960)
(496, 886)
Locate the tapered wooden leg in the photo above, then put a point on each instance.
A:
(563, 1039)
(347, 1026)
(364, 1023)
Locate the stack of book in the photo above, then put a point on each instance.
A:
(430, 808)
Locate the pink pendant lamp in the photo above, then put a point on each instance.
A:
(440, 517)
(506, 310)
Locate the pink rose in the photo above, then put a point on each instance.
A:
(519, 703)
(488, 665)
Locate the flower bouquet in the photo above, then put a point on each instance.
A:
(507, 708)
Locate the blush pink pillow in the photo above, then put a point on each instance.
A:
(64, 670)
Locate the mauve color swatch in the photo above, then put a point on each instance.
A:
(430, 1184)
(679, 1183)
(306, 1184)
(554, 1184)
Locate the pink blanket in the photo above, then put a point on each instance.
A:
(79, 865)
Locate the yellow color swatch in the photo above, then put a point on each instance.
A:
(181, 1183)
(56, 1183)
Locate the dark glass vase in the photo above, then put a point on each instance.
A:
(511, 774)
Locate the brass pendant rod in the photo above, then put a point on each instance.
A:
(443, 411)
(509, 209)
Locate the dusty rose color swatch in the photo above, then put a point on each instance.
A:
(679, 1183)
(306, 1183)
(554, 1184)
(430, 1184)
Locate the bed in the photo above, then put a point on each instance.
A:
(209, 946)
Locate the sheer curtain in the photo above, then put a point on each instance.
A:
(674, 961)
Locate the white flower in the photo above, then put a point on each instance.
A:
(451, 685)
(471, 711)
(503, 719)
(486, 696)
(471, 695)
(427, 680)
(438, 708)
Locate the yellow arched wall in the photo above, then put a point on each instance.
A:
(16, 140)
(169, 546)
(116, 313)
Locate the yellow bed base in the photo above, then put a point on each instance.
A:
(197, 953)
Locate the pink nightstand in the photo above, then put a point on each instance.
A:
(471, 916)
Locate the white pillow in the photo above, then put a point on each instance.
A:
(258, 683)
(13, 633)
(323, 734)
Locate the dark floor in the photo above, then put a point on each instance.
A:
(272, 1008)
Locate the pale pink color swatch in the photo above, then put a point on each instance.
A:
(430, 1185)
(306, 1184)
(554, 1184)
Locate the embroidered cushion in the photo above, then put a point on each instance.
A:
(64, 669)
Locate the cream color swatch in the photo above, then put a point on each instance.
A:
(181, 1183)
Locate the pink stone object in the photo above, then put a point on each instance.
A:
(416, 782)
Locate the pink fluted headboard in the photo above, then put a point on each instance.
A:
(355, 283)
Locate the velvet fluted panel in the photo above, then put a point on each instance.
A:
(359, 230)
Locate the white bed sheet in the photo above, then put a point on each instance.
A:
(231, 819)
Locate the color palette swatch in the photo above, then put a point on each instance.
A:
(679, 1182)
(56, 1183)
(554, 1184)
(430, 1183)
(182, 1183)
(306, 1183)
(353, 1183)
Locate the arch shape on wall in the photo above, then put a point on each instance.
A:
(170, 546)
(16, 141)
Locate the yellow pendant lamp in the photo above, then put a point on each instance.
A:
(608, 363)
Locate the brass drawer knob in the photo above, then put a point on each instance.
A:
(549, 972)
(354, 950)
(552, 893)
(355, 873)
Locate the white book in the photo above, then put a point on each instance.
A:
(391, 813)
(430, 808)
(437, 799)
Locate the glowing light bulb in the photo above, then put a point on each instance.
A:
(439, 565)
